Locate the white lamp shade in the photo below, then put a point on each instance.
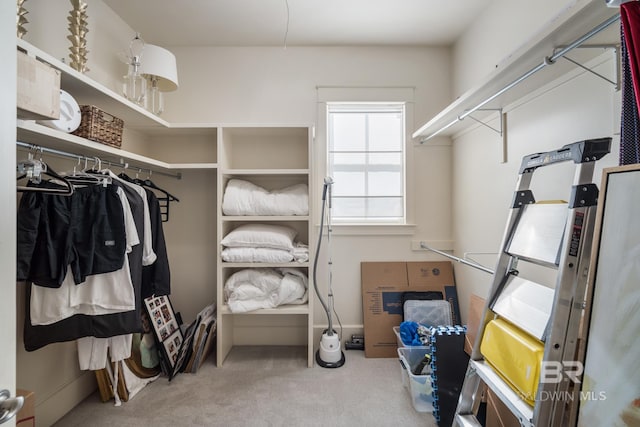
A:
(159, 62)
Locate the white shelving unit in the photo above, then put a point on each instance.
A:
(146, 125)
(572, 23)
(273, 158)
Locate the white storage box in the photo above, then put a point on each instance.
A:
(419, 387)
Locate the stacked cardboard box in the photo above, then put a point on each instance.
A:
(383, 284)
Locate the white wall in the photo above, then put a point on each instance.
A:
(278, 86)
(259, 86)
(496, 34)
(575, 107)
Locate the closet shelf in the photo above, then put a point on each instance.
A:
(572, 23)
(256, 218)
(283, 309)
(263, 264)
(264, 172)
(32, 133)
(89, 92)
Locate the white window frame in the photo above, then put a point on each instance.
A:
(370, 107)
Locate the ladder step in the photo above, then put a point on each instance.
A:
(539, 233)
(467, 421)
(526, 304)
(521, 409)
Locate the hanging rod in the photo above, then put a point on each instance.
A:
(122, 165)
(548, 60)
(423, 245)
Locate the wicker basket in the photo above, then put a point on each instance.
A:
(100, 126)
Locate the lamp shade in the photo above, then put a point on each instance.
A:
(161, 63)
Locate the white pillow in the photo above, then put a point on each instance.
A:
(260, 236)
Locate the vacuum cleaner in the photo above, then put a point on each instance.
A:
(330, 354)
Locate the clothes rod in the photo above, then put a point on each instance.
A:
(455, 258)
(549, 60)
(38, 148)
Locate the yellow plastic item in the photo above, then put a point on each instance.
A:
(514, 355)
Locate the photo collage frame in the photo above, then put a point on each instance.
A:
(167, 331)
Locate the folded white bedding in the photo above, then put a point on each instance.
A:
(255, 288)
(245, 198)
(256, 255)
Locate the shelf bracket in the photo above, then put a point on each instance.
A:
(502, 131)
(498, 131)
(616, 52)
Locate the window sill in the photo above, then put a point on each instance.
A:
(372, 229)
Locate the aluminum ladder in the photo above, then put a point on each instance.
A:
(561, 328)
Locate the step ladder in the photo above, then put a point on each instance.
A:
(548, 236)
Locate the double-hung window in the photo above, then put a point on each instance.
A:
(366, 160)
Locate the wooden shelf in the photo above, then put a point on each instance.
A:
(263, 264)
(89, 92)
(252, 218)
(283, 309)
(264, 172)
(30, 132)
(574, 22)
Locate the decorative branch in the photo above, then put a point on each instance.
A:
(78, 27)
(21, 19)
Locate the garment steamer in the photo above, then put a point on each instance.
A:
(329, 355)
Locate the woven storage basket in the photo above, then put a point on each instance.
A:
(100, 126)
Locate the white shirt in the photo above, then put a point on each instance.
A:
(99, 294)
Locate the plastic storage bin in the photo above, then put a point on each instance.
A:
(396, 330)
(428, 312)
(420, 387)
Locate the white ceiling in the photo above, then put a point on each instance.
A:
(298, 22)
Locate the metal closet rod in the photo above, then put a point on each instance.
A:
(548, 60)
(61, 153)
(423, 245)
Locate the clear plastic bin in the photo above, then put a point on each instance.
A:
(419, 387)
(396, 330)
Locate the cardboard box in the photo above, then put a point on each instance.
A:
(26, 416)
(38, 87)
(476, 307)
(383, 284)
(498, 414)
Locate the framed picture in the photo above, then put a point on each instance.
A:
(610, 389)
(167, 331)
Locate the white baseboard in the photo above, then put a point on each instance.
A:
(55, 407)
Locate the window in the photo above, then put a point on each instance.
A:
(366, 161)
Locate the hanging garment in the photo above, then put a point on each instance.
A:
(630, 121)
(92, 352)
(83, 232)
(148, 255)
(630, 20)
(98, 294)
(156, 278)
(101, 326)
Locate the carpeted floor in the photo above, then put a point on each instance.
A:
(265, 386)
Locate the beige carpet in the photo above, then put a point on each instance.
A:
(265, 386)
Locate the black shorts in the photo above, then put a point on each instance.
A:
(84, 232)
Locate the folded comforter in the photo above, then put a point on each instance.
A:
(256, 288)
(245, 198)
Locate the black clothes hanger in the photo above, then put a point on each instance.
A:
(149, 184)
(163, 200)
